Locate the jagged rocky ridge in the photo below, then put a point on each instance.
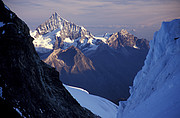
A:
(32, 87)
(57, 32)
(125, 39)
(60, 33)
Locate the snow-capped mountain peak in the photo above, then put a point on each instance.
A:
(126, 39)
(54, 22)
(55, 15)
(123, 32)
(57, 32)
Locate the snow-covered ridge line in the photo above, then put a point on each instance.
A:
(1, 24)
(60, 30)
(76, 88)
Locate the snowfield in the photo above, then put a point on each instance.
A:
(155, 90)
(44, 43)
(98, 105)
(1, 24)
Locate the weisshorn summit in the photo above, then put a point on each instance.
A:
(104, 66)
(28, 85)
(57, 32)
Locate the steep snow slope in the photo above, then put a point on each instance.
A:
(96, 104)
(155, 91)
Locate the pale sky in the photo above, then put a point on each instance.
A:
(97, 13)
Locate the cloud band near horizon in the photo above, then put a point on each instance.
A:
(97, 12)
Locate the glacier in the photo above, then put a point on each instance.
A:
(155, 90)
(98, 105)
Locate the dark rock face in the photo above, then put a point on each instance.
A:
(7, 110)
(116, 70)
(142, 43)
(27, 83)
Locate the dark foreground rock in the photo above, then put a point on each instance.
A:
(32, 87)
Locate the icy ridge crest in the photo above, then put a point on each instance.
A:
(162, 48)
(158, 78)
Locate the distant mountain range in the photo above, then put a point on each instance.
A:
(57, 32)
(104, 66)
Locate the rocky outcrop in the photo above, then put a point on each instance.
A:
(70, 63)
(125, 39)
(32, 87)
(72, 60)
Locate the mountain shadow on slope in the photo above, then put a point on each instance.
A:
(116, 69)
(107, 72)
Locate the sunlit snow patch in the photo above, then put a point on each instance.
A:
(135, 47)
(3, 32)
(42, 44)
(1, 24)
(1, 92)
